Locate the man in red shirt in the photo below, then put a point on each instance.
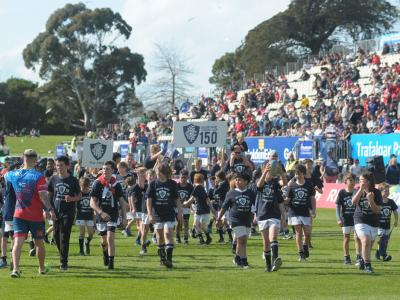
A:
(27, 188)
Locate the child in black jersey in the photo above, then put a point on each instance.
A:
(240, 201)
(84, 216)
(345, 218)
(388, 206)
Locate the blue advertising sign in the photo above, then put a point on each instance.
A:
(202, 152)
(305, 149)
(369, 145)
(124, 150)
(259, 147)
(60, 150)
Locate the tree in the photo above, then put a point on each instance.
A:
(21, 108)
(173, 83)
(226, 71)
(307, 26)
(78, 55)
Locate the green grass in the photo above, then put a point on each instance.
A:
(207, 272)
(41, 145)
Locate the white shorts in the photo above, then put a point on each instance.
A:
(103, 225)
(84, 222)
(50, 222)
(240, 231)
(185, 211)
(8, 226)
(203, 219)
(130, 216)
(366, 230)
(145, 219)
(265, 224)
(382, 231)
(347, 229)
(299, 221)
(164, 225)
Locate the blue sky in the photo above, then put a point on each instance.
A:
(201, 30)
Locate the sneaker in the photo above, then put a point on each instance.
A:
(267, 269)
(236, 261)
(147, 243)
(3, 264)
(208, 241)
(245, 264)
(63, 267)
(162, 262)
(168, 264)
(143, 252)
(15, 274)
(81, 253)
(361, 265)
(128, 232)
(44, 271)
(306, 253)
(221, 241)
(111, 265)
(193, 233)
(277, 264)
(287, 236)
(32, 252)
(368, 269)
(358, 262)
(186, 242)
(387, 258)
(124, 232)
(377, 255)
(137, 242)
(347, 260)
(302, 257)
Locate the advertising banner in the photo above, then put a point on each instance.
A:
(369, 145)
(259, 147)
(305, 149)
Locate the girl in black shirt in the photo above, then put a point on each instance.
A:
(368, 201)
(84, 216)
(240, 201)
(162, 198)
(203, 208)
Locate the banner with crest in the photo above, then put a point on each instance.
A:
(96, 152)
(200, 134)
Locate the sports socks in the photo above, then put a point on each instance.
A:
(274, 248)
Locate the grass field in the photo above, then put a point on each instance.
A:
(202, 272)
(41, 145)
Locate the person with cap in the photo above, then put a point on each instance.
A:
(26, 188)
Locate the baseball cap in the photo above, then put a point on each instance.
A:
(30, 153)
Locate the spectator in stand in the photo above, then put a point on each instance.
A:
(240, 142)
(330, 169)
(356, 169)
(392, 171)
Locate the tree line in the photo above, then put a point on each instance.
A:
(305, 27)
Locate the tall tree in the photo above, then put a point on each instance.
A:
(226, 71)
(173, 82)
(78, 54)
(21, 108)
(307, 26)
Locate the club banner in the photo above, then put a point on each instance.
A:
(259, 147)
(60, 150)
(96, 152)
(369, 145)
(200, 134)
